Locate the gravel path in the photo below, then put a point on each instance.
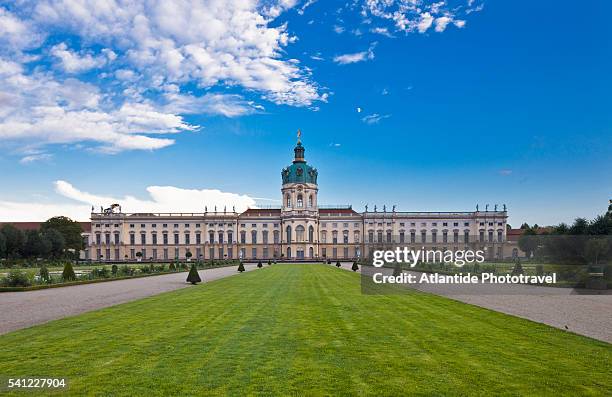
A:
(563, 308)
(24, 309)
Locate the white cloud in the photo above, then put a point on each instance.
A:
(31, 158)
(73, 62)
(338, 29)
(374, 118)
(161, 199)
(356, 57)
(151, 52)
(414, 15)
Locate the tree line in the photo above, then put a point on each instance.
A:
(58, 237)
(584, 241)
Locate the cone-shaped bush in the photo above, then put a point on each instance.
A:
(259, 265)
(329, 261)
(172, 267)
(68, 273)
(193, 277)
(397, 270)
(355, 267)
(338, 264)
(114, 270)
(44, 273)
(241, 267)
(269, 262)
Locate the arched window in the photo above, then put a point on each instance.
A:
(310, 201)
(221, 237)
(288, 199)
(345, 236)
(299, 233)
(311, 252)
(311, 234)
(324, 236)
(288, 252)
(254, 237)
(276, 237)
(288, 234)
(356, 237)
(300, 201)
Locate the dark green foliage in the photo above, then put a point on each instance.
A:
(44, 273)
(193, 277)
(528, 242)
(608, 272)
(241, 267)
(329, 261)
(355, 267)
(17, 278)
(68, 273)
(518, 268)
(125, 271)
(35, 246)
(145, 269)
(269, 262)
(114, 269)
(338, 264)
(56, 241)
(539, 270)
(397, 269)
(476, 267)
(139, 255)
(172, 268)
(152, 267)
(259, 265)
(14, 239)
(2, 245)
(69, 229)
(188, 254)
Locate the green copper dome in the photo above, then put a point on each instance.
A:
(299, 171)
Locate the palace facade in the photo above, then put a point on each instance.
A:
(300, 229)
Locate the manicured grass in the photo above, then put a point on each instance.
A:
(305, 329)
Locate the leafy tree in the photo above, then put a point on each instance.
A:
(56, 241)
(595, 249)
(355, 267)
(580, 226)
(68, 273)
(17, 278)
(139, 255)
(188, 255)
(2, 245)
(35, 245)
(69, 229)
(14, 239)
(602, 225)
(44, 273)
(259, 265)
(241, 267)
(528, 242)
(193, 277)
(338, 264)
(525, 226)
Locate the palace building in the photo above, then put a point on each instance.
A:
(300, 229)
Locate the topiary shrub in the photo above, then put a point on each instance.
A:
(172, 268)
(114, 270)
(44, 273)
(193, 277)
(259, 265)
(518, 268)
(355, 267)
(329, 261)
(397, 270)
(338, 264)
(269, 262)
(241, 267)
(68, 273)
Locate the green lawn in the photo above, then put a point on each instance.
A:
(305, 329)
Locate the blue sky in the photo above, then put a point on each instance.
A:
(433, 107)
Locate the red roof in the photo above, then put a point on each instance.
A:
(515, 234)
(261, 212)
(86, 226)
